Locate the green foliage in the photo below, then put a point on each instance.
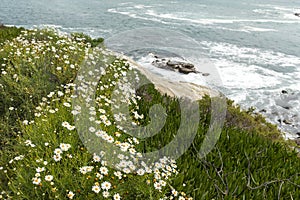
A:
(251, 122)
(8, 33)
(247, 163)
(29, 72)
(250, 160)
(87, 39)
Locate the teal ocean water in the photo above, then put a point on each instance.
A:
(255, 45)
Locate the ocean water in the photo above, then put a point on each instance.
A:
(254, 45)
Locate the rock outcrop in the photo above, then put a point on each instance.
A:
(175, 88)
(182, 67)
(178, 66)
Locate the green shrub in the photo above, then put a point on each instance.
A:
(87, 39)
(8, 33)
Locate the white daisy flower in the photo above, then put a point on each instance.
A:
(157, 186)
(70, 127)
(57, 157)
(140, 172)
(102, 111)
(48, 178)
(64, 147)
(105, 194)
(92, 129)
(67, 104)
(96, 158)
(103, 170)
(40, 169)
(36, 181)
(107, 123)
(118, 174)
(106, 185)
(117, 196)
(70, 195)
(98, 175)
(175, 193)
(103, 117)
(65, 124)
(58, 151)
(162, 183)
(60, 94)
(96, 189)
(126, 170)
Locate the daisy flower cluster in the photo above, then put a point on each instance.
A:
(100, 107)
(103, 119)
(35, 47)
(59, 151)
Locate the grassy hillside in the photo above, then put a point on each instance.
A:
(42, 156)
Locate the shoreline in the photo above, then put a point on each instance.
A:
(196, 92)
(174, 88)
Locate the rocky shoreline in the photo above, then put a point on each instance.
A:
(280, 114)
(284, 114)
(174, 88)
(183, 66)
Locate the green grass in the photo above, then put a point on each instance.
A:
(249, 161)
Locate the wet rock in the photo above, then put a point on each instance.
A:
(163, 65)
(284, 91)
(287, 122)
(173, 63)
(205, 74)
(298, 133)
(176, 64)
(180, 64)
(186, 70)
(187, 65)
(263, 111)
(159, 64)
(283, 102)
(182, 67)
